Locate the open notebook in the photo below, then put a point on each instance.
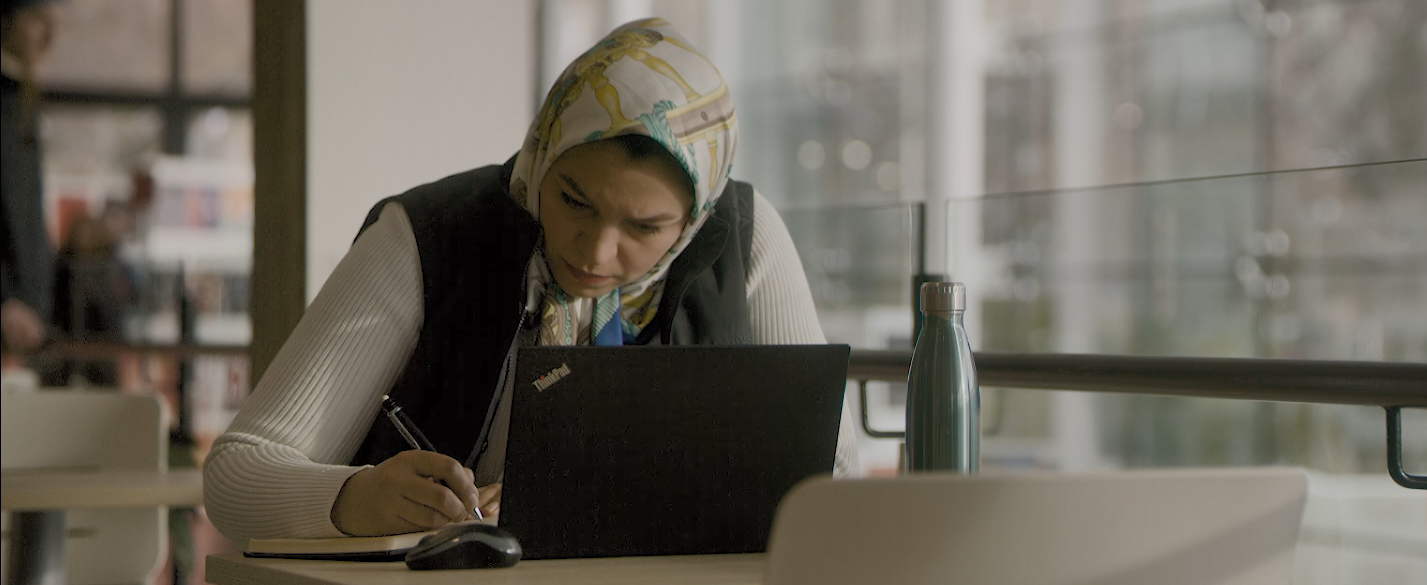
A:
(346, 548)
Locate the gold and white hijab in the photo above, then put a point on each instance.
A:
(643, 78)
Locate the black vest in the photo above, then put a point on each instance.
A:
(474, 243)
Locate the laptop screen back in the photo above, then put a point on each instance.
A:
(622, 451)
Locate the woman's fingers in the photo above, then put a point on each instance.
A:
(417, 515)
(413, 490)
(437, 498)
(490, 499)
(449, 472)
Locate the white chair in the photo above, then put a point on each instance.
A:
(19, 380)
(1179, 527)
(68, 429)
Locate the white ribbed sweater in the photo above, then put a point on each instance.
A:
(278, 468)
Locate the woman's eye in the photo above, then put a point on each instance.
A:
(572, 202)
(646, 229)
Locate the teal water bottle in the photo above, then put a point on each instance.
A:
(943, 399)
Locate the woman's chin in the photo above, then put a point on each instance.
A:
(574, 287)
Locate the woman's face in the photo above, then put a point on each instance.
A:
(609, 219)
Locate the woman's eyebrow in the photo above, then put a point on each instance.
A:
(655, 219)
(574, 186)
(660, 218)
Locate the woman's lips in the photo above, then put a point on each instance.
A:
(587, 278)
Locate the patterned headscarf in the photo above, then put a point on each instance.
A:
(643, 78)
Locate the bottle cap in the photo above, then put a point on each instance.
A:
(943, 296)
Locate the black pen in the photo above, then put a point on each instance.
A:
(413, 435)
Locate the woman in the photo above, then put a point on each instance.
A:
(616, 223)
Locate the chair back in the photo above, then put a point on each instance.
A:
(62, 429)
(1168, 527)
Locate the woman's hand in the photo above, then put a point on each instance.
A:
(410, 492)
(490, 502)
(24, 330)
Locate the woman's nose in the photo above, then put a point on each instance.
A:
(603, 244)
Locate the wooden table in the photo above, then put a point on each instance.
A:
(40, 498)
(34, 490)
(733, 569)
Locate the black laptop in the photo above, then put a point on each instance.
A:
(632, 451)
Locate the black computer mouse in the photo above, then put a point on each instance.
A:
(465, 546)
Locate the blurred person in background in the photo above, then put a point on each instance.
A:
(29, 28)
(93, 288)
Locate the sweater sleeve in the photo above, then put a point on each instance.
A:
(277, 470)
(781, 310)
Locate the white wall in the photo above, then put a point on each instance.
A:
(404, 93)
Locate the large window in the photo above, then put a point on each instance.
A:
(1231, 178)
(147, 132)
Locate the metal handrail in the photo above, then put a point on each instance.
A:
(1391, 385)
(1328, 382)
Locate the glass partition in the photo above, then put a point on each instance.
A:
(1318, 264)
(1321, 264)
(1324, 264)
(859, 262)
